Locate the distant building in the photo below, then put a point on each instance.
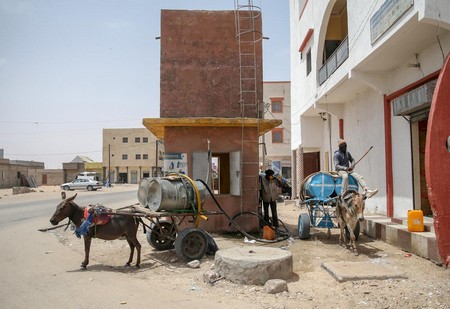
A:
(16, 173)
(81, 164)
(275, 150)
(130, 155)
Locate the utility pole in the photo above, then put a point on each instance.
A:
(156, 159)
(109, 163)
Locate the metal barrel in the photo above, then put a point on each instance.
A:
(169, 194)
(319, 185)
(352, 184)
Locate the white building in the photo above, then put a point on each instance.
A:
(275, 150)
(364, 71)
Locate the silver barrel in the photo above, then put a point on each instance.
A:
(169, 194)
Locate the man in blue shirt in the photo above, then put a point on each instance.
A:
(344, 165)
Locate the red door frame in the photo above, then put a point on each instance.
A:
(388, 136)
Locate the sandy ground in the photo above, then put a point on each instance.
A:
(425, 285)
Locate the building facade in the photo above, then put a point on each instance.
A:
(365, 71)
(275, 146)
(130, 155)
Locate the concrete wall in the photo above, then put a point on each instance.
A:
(200, 65)
(54, 177)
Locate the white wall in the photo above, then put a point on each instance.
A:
(363, 128)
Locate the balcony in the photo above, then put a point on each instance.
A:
(334, 62)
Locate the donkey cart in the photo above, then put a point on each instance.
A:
(320, 193)
(166, 202)
(164, 233)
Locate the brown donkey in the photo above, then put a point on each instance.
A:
(118, 226)
(350, 210)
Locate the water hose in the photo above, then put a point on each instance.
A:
(235, 224)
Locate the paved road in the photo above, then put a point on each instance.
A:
(20, 210)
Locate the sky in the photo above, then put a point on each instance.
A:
(69, 68)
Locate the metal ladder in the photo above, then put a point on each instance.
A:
(247, 38)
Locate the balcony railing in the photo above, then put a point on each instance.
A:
(334, 62)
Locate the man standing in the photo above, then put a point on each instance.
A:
(270, 187)
(344, 165)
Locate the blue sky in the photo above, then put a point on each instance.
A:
(69, 68)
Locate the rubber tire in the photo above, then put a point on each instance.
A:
(191, 244)
(158, 241)
(356, 231)
(66, 188)
(89, 188)
(303, 226)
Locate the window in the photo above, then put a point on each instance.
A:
(277, 105)
(18, 174)
(308, 62)
(225, 171)
(125, 139)
(124, 157)
(145, 139)
(137, 139)
(138, 157)
(277, 136)
(145, 156)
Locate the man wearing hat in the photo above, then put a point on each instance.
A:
(344, 165)
(270, 188)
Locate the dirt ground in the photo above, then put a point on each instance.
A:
(425, 285)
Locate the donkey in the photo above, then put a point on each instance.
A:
(118, 226)
(350, 210)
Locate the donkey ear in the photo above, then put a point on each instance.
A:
(70, 199)
(63, 195)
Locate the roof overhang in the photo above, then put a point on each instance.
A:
(157, 125)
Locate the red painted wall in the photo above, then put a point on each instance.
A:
(200, 65)
(222, 139)
(437, 161)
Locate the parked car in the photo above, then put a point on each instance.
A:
(82, 184)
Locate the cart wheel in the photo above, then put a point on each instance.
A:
(355, 231)
(303, 226)
(191, 244)
(162, 235)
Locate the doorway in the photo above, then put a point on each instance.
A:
(424, 201)
(311, 163)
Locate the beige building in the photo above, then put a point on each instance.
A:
(275, 150)
(130, 155)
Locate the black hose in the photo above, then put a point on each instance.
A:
(235, 224)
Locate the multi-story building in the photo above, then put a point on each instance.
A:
(365, 71)
(275, 150)
(130, 155)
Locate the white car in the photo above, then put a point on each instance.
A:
(82, 184)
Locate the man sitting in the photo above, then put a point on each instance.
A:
(344, 165)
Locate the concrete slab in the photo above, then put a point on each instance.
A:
(352, 271)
